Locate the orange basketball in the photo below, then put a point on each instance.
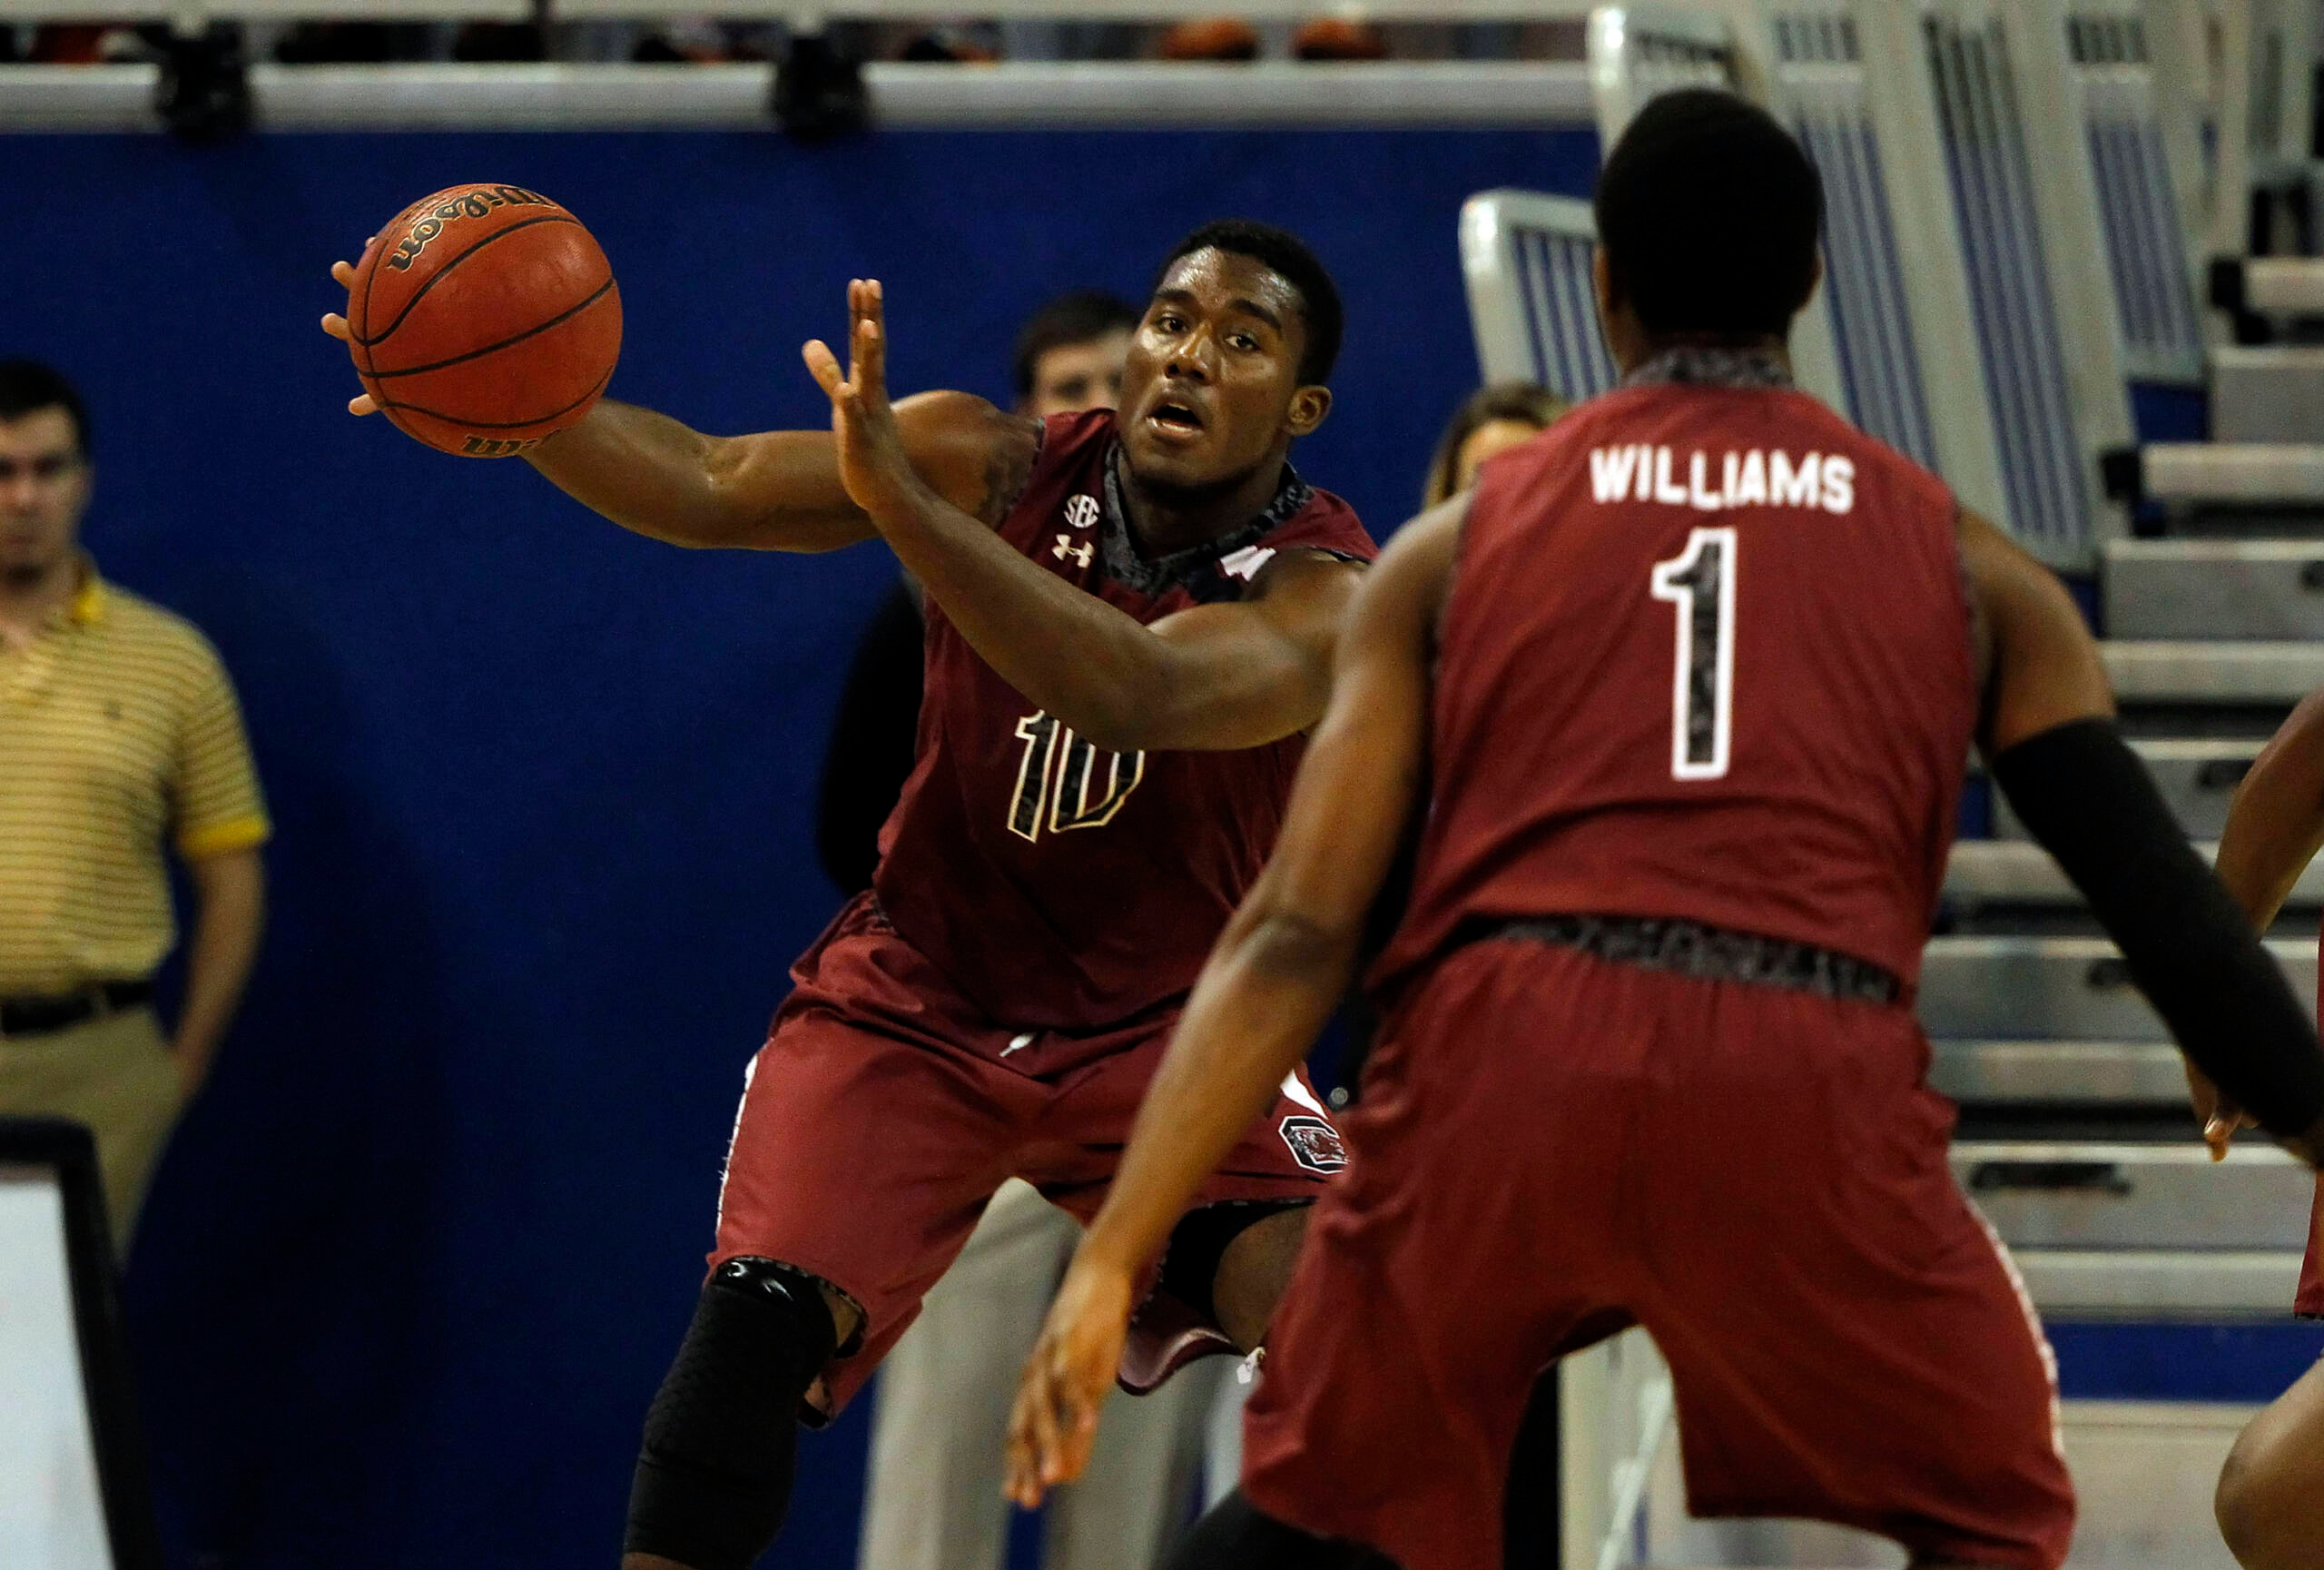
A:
(483, 319)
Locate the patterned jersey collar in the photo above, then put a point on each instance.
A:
(1701, 365)
(1156, 575)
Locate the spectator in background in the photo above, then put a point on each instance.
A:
(933, 1500)
(1492, 421)
(119, 733)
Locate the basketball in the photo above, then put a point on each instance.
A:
(483, 317)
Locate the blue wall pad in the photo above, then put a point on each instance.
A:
(2179, 1362)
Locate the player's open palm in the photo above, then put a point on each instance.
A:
(872, 462)
(1065, 1381)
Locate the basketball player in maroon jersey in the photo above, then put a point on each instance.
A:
(1684, 688)
(2270, 1499)
(1132, 619)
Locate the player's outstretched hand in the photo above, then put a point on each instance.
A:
(872, 462)
(1065, 1379)
(2219, 1118)
(343, 275)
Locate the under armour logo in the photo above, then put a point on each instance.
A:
(1081, 512)
(1246, 563)
(1066, 550)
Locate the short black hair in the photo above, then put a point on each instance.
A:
(1709, 214)
(28, 387)
(1083, 316)
(1287, 256)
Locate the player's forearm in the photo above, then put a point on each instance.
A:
(2261, 854)
(1261, 1001)
(654, 476)
(1096, 670)
(2276, 823)
(229, 915)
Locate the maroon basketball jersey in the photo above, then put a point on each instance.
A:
(1060, 886)
(1706, 656)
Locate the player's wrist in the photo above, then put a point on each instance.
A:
(900, 501)
(1105, 1250)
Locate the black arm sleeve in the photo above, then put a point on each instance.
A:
(873, 742)
(2089, 801)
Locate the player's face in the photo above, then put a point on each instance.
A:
(1212, 386)
(1073, 376)
(44, 489)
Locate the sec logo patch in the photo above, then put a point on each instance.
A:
(1081, 511)
(1314, 1145)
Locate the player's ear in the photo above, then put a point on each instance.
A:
(1308, 406)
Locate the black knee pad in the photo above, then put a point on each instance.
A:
(1238, 1536)
(714, 1475)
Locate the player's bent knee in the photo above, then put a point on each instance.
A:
(2242, 1506)
(2269, 1508)
(714, 1475)
(2253, 1506)
(1255, 1271)
(1236, 1535)
(1230, 1262)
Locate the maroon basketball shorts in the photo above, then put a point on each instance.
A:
(885, 1109)
(1551, 1147)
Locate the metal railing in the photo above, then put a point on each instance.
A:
(807, 17)
(553, 97)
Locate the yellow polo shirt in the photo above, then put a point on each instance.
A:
(118, 726)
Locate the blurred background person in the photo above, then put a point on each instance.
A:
(1491, 421)
(933, 1500)
(120, 735)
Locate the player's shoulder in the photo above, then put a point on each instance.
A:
(1579, 428)
(1068, 451)
(1878, 465)
(1055, 470)
(1085, 434)
(1325, 524)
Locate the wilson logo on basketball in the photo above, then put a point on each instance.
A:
(469, 204)
(1314, 1145)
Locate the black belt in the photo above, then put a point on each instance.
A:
(1709, 953)
(45, 1016)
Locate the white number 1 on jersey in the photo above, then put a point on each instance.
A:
(1700, 581)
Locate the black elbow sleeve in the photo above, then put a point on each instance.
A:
(2089, 802)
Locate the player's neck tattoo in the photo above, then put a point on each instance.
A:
(1712, 365)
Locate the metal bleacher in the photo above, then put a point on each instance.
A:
(2074, 1137)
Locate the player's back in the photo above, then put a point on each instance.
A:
(1707, 656)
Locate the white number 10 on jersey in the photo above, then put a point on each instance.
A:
(1700, 581)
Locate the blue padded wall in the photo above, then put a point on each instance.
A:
(422, 1251)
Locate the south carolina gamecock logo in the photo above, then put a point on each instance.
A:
(1314, 1145)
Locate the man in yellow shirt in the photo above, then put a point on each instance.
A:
(119, 736)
